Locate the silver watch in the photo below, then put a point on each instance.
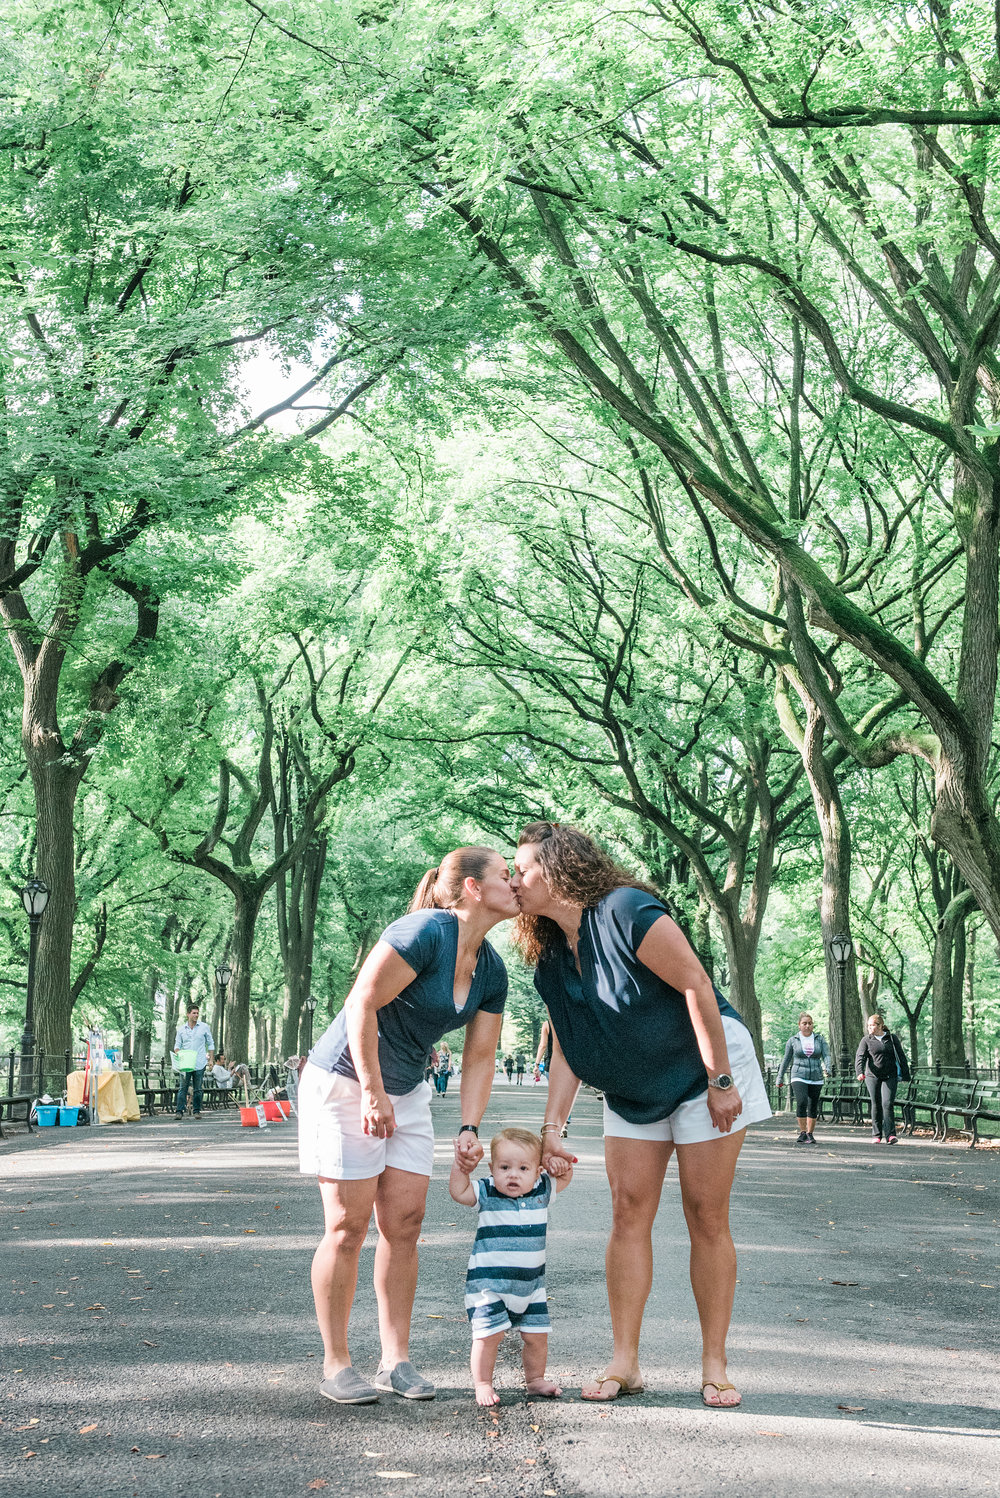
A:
(723, 1081)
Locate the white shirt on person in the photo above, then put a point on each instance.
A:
(198, 1040)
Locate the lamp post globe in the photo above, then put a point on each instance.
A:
(310, 1008)
(223, 975)
(34, 898)
(841, 948)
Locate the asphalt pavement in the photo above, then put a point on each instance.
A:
(157, 1334)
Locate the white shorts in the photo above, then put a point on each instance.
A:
(691, 1122)
(332, 1140)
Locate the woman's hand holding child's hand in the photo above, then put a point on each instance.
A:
(468, 1152)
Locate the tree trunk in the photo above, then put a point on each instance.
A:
(947, 1043)
(297, 893)
(741, 952)
(55, 787)
(247, 899)
(972, 1049)
(835, 895)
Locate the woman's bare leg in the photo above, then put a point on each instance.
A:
(636, 1168)
(400, 1202)
(706, 1172)
(347, 1210)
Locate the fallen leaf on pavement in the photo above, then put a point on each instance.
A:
(29, 1453)
(86, 1429)
(530, 1461)
(549, 1492)
(375, 1453)
(150, 1344)
(30, 1423)
(534, 1427)
(135, 1448)
(154, 1456)
(249, 1230)
(318, 1482)
(852, 1409)
(431, 1316)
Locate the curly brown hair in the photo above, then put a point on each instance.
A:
(576, 869)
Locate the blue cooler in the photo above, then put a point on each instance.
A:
(47, 1115)
(68, 1117)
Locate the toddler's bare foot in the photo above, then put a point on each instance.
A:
(486, 1395)
(543, 1388)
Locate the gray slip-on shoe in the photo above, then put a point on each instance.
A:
(348, 1387)
(404, 1380)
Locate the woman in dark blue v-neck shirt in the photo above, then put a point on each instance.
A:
(364, 1107)
(635, 1014)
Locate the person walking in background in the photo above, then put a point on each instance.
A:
(443, 1071)
(879, 1063)
(508, 1066)
(807, 1055)
(520, 1063)
(193, 1035)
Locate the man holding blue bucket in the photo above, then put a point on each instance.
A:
(194, 1048)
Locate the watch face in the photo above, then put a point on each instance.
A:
(722, 1082)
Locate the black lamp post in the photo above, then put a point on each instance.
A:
(841, 948)
(310, 1008)
(223, 973)
(34, 898)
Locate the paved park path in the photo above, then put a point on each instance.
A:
(157, 1336)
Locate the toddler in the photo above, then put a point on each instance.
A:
(505, 1285)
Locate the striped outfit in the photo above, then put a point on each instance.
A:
(505, 1284)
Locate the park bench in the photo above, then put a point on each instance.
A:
(845, 1097)
(970, 1101)
(921, 1095)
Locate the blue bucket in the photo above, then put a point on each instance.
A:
(68, 1117)
(47, 1114)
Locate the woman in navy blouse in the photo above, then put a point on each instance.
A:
(364, 1106)
(635, 1014)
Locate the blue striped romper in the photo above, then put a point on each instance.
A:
(505, 1284)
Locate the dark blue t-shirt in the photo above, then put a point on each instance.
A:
(621, 1028)
(425, 1010)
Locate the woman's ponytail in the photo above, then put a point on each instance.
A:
(442, 888)
(423, 895)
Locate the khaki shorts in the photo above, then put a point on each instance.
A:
(691, 1122)
(332, 1140)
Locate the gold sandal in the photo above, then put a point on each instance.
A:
(713, 1383)
(624, 1387)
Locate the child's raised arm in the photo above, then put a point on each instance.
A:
(460, 1185)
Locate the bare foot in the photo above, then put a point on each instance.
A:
(719, 1394)
(542, 1388)
(610, 1385)
(486, 1396)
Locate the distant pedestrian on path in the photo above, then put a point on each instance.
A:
(193, 1035)
(880, 1062)
(508, 1066)
(443, 1070)
(520, 1063)
(807, 1055)
(505, 1283)
(635, 1015)
(365, 1110)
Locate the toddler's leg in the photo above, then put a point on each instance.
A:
(484, 1359)
(534, 1351)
